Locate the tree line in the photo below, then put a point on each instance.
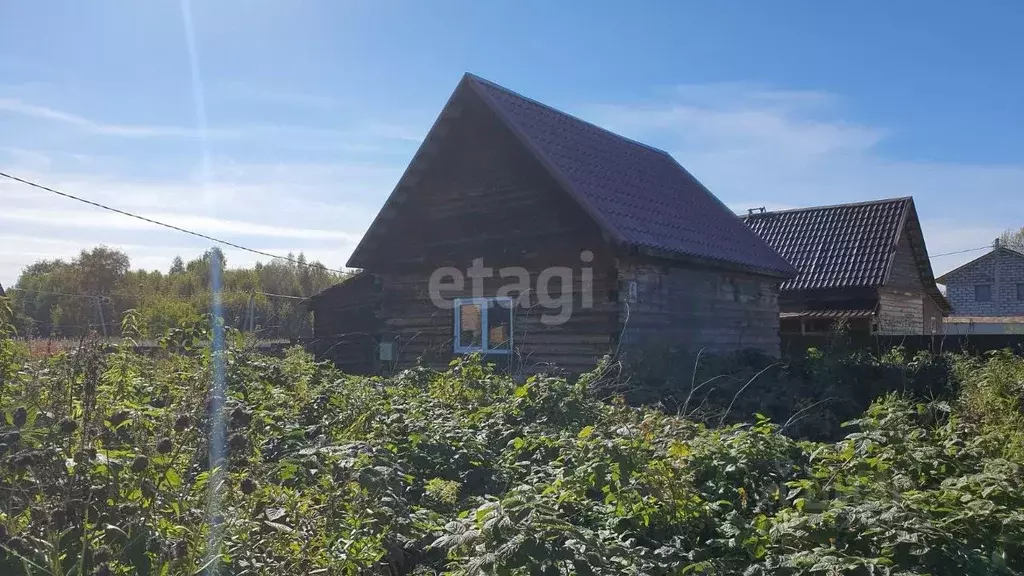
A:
(91, 292)
(1013, 239)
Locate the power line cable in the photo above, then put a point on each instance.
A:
(48, 292)
(960, 251)
(280, 295)
(165, 225)
(108, 296)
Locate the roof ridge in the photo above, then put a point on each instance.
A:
(832, 206)
(497, 86)
(945, 275)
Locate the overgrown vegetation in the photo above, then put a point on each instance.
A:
(105, 470)
(811, 395)
(67, 299)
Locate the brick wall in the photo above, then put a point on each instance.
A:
(697, 307)
(1003, 270)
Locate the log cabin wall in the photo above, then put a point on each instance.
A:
(697, 307)
(482, 195)
(345, 324)
(425, 333)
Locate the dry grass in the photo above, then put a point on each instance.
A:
(41, 347)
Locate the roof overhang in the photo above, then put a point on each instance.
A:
(700, 261)
(828, 314)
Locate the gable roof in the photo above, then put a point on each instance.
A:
(846, 245)
(638, 195)
(1004, 249)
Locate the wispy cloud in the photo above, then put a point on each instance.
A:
(242, 91)
(16, 106)
(361, 136)
(68, 219)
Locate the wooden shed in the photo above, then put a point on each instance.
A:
(540, 240)
(345, 325)
(863, 266)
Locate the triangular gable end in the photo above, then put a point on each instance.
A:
(361, 256)
(451, 112)
(624, 163)
(911, 225)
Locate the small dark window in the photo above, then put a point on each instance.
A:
(1020, 292)
(982, 292)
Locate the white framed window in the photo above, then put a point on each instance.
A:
(483, 325)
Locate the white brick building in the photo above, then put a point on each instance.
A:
(987, 294)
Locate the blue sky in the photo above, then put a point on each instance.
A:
(313, 108)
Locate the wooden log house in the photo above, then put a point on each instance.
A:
(512, 184)
(863, 267)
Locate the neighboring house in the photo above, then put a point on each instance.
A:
(987, 294)
(863, 267)
(611, 243)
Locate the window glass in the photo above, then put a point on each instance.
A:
(982, 293)
(499, 325)
(470, 326)
(1020, 291)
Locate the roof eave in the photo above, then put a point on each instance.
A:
(713, 262)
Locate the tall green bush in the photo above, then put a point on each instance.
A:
(105, 469)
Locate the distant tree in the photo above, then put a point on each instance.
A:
(101, 269)
(177, 266)
(1013, 238)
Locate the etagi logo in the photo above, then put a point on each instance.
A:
(549, 282)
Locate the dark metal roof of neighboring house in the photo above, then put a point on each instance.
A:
(846, 245)
(640, 196)
(842, 246)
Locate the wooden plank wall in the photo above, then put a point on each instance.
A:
(425, 333)
(900, 312)
(345, 324)
(904, 306)
(698, 308)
